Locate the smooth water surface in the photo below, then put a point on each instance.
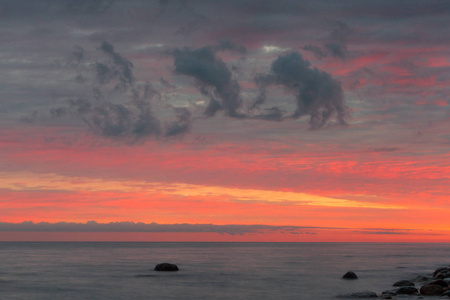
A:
(89, 270)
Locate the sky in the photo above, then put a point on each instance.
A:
(238, 120)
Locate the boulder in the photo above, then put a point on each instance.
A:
(440, 282)
(441, 269)
(367, 294)
(389, 292)
(350, 275)
(166, 267)
(407, 290)
(403, 283)
(421, 278)
(441, 273)
(431, 290)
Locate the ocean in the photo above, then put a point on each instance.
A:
(112, 270)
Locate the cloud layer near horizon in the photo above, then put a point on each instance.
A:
(231, 229)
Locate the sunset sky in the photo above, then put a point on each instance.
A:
(238, 120)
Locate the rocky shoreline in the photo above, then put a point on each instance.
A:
(436, 284)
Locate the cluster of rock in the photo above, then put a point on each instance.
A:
(437, 285)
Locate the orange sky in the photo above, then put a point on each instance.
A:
(368, 196)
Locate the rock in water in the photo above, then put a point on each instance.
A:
(442, 273)
(431, 290)
(407, 290)
(439, 270)
(387, 294)
(350, 275)
(403, 283)
(166, 267)
(440, 282)
(367, 294)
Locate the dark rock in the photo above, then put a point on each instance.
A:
(447, 293)
(367, 294)
(421, 278)
(407, 290)
(431, 290)
(403, 283)
(388, 293)
(350, 275)
(442, 275)
(439, 270)
(166, 267)
(439, 282)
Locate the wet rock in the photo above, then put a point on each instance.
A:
(431, 290)
(407, 290)
(350, 275)
(446, 294)
(403, 283)
(366, 294)
(421, 278)
(439, 270)
(166, 267)
(389, 293)
(439, 282)
(441, 273)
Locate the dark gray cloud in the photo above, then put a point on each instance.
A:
(93, 226)
(400, 9)
(335, 44)
(30, 118)
(86, 6)
(319, 52)
(229, 45)
(382, 232)
(384, 149)
(392, 231)
(182, 124)
(337, 49)
(134, 119)
(131, 119)
(232, 229)
(318, 94)
(211, 73)
(271, 114)
(114, 105)
(119, 68)
(77, 55)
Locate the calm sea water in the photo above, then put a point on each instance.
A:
(208, 270)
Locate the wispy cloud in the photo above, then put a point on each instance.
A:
(48, 182)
